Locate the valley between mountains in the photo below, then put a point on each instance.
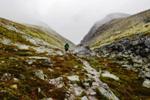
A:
(112, 62)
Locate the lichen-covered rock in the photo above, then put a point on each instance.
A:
(146, 83)
(6, 77)
(47, 99)
(58, 82)
(16, 80)
(44, 61)
(83, 51)
(84, 98)
(40, 74)
(109, 75)
(73, 78)
(14, 86)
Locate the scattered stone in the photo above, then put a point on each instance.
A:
(6, 41)
(22, 76)
(6, 77)
(40, 74)
(45, 61)
(35, 41)
(30, 62)
(109, 75)
(73, 78)
(16, 80)
(146, 83)
(47, 99)
(91, 92)
(2, 62)
(86, 84)
(147, 74)
(58, 82)
(14, 86)
(83, 50)
(59, 53)
(51, 70)
(39, 89)
(84, 98)
(78, 91)
(147, 42)
(37, 57)
(22, 46)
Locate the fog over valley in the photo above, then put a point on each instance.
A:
(70, 18)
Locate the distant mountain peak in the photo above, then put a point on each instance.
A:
(115, 24)
(106, 19)
(117, 15)
(110, 17)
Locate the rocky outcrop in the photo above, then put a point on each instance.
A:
(81, 50)
(131, 52)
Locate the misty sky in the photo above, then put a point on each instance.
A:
(70, 18)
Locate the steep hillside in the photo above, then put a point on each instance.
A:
(33, 66)
(45, 28)
(118, 28)
(126, 41)
(92, 33)
(31, 35)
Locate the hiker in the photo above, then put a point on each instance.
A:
(66, 47)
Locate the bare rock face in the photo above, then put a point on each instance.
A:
(83, 51)
(132, 53)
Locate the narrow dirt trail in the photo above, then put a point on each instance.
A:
(98, 84)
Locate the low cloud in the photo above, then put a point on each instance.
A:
(71, 18)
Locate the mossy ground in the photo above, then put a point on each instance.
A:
(129, 87)
(111, 36)
(33, 31)
(13, 61)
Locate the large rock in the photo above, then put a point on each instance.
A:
(40, 74)
(73, 78)
(83, 50)
(109, 75)
(146, 83)
(58, 82)
(44, 61)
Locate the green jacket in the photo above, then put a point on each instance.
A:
(66, 47)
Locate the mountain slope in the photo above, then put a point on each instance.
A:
(34, 67)
(126, 41)
(13, 30)
(118, 28)
(108, 18)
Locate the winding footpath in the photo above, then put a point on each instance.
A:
(98, 84)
